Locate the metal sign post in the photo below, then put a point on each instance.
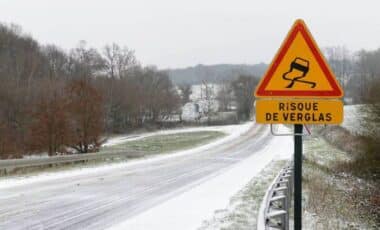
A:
(298, 177)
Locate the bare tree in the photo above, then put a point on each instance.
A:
(160, 95)
(209, 96)
(118, 60)
(49, 129)
(57, 62)
(366, 75)
(243, 89)
(186, 91)
(341, 61)
(86, 115)
(85, 62)
(225, 96)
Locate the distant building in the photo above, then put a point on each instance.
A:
(191, 112)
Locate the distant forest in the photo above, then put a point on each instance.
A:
(358, 72)
(214, 73)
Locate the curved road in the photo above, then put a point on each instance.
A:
(101, 199)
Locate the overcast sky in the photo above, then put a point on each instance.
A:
(175, 33)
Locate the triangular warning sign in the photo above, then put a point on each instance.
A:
(299, 69)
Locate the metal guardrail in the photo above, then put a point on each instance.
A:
(278, 201)
(7, 165)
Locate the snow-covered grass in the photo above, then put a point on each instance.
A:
(243, 209)
(328, 201)
(353, 117)
(320, 152)
(359, 120)
(168, 142)
(233, 132)
(189, 209)
(134, 137)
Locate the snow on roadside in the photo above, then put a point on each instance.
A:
(244, 208)
(36, 156)
(189, 209)
(233, 131)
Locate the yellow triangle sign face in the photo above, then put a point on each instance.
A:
(299, 69)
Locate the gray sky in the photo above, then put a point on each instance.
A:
(176, 33)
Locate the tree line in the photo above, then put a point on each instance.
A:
(358, 72)
(54, 101)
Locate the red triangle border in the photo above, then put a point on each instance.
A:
(299, 27)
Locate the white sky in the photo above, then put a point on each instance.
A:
(176, 33)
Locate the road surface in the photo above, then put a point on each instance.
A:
(102, 199)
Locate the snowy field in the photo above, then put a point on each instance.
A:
(168, 143)
(228, 129)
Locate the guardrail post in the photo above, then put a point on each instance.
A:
(278, 201)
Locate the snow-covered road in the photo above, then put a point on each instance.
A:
(111, 196)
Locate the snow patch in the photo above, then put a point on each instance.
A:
(229, 129)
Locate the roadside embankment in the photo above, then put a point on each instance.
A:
(340, 181)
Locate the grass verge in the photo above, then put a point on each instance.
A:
(334, 198)
(169, 143)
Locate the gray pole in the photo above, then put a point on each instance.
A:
(298, 177)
